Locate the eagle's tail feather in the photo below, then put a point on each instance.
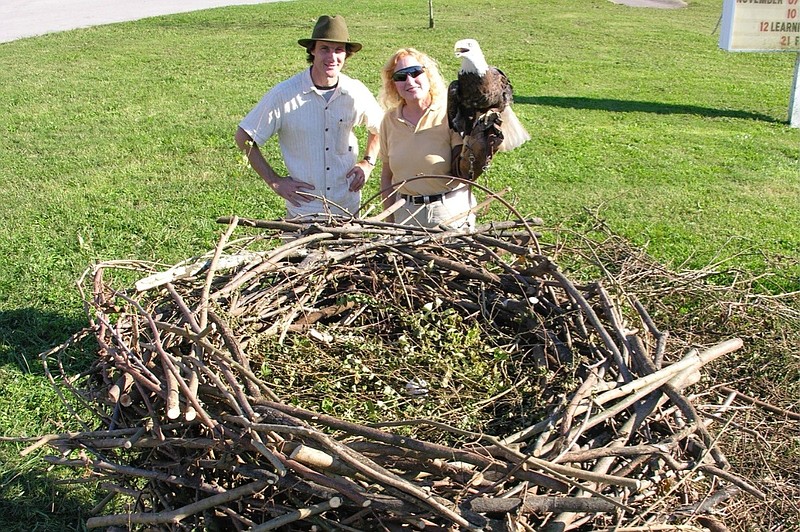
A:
(514, 133)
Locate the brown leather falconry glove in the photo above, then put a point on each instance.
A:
(479, 146)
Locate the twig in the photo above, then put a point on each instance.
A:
(212, 269)
(758, 402)
(176, 516)
(298, 515)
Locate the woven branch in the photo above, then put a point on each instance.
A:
(244, 388)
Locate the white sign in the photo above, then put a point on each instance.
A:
(760, 26)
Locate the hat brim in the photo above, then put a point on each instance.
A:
(305, 43)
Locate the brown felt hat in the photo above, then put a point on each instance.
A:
(333, 29)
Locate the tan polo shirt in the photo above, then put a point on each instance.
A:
(422, 150)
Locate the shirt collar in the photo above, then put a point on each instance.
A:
(308, 83)
(432, 108)
(434, 105)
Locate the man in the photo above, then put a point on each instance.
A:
(314, 113)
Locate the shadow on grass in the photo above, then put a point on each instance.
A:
(26, 333)
(33, 501)
(630, 106)
(30, 498)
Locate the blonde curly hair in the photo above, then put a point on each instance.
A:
(388, 96)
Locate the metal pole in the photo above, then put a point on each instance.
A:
(794, 101)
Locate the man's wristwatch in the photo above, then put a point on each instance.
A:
(369, 160)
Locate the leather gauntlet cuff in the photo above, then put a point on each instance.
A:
(479, 147)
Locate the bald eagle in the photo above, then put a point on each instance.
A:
(482, 92)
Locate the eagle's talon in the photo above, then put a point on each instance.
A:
(491, 117)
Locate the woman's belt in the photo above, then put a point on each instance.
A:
(431, 198)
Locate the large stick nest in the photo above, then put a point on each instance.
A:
(356, 375)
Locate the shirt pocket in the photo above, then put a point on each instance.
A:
(345, 139)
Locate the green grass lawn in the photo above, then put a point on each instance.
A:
(116, 142)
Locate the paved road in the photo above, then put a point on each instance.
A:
(28, 18)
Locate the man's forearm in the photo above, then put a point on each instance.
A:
(254, 156)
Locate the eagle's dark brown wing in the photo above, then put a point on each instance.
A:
(504, 89)
(455, 112)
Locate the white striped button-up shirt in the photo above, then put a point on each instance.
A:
(316, 136)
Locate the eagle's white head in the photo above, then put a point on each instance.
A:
(472, 59)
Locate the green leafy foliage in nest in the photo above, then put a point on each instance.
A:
(394, 362)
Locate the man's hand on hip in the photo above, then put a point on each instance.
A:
(292, 190)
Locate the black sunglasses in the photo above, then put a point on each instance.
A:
(403, 73)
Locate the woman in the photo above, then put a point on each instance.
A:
(417, 140)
